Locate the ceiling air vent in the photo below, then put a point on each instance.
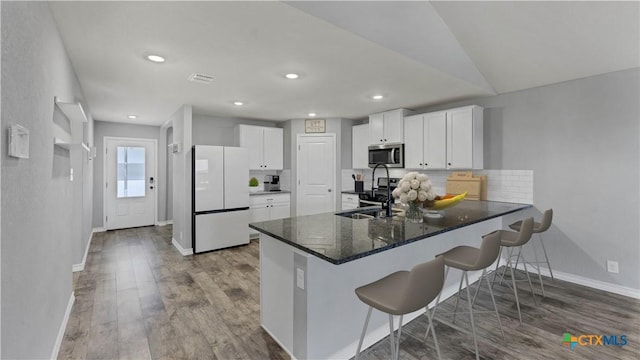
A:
(201, 78)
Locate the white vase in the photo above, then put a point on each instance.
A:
(253, 189)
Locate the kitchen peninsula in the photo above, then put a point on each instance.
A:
(310, 266)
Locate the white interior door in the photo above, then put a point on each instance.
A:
(130, 182)
(316, 174)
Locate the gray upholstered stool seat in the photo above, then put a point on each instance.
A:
(512, 240)
(383, 294)
(538, 228)
(468, 258)
(400, 293)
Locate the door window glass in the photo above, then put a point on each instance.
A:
(130, 171)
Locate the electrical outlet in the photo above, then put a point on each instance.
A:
(300, 278)
(71, 174)
(612, 266)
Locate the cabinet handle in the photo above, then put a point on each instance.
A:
(385, 139)
(380, 140)
(420, 164)
(449, 163)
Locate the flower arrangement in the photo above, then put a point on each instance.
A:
(414, 188)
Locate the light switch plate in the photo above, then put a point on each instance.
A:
(18, 142)
(612, 267)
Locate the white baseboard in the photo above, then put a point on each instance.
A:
(80, 267)
(164, 223)
(98, 229)
(581, 280)
(63, 327)
(182, 250)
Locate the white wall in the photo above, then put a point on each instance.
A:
(580, 138)
(43, 227)
(102, 129)
(181, 121)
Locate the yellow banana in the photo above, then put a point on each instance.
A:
(442, 204)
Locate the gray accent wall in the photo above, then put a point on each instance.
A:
(581, 139)
(44, 228)
(102, 129)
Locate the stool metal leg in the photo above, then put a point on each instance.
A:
(546, 257)
(493, 300)
(535, 257)
(398, 339)
(473, 327)
(495, 273)
(364, 331)
(515, 289)
(433, 332)
(435, 307)
(457, 298)
(529, 278)
(391, 336)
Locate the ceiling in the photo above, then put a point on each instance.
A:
(416, 53)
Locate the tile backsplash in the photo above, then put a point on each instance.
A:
(502, 185)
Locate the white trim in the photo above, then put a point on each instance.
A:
(164, 223)
(80, 267)
(63, 326)
(581, 280)
(98, 229)
(105, 139)
(182, 250)
(333, 170)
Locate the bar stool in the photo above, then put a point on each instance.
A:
(467, 258)
(512, 240)
(538, 228)
(401, 293)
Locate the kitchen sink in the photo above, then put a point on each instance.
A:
(368, 213)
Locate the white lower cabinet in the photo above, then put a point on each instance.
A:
(350, 201)
(266, 207)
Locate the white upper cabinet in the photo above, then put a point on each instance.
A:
(425, 139)
(387, 127)
(265, 146)
(273, 148)
(435, 140)
(360, 146)
(413, 142)
(450, 139)
(465, 138)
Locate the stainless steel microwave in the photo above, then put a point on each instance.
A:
(391, 155)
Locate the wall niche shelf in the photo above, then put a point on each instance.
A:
(61, 143)
(73, 111)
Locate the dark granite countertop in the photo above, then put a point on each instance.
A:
(339, 239)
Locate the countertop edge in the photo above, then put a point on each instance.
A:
(385, 248)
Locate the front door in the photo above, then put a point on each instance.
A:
(316, 174)
(130, 182)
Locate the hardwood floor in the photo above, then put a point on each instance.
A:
(138, 298)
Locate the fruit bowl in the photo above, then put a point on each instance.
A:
(446, 203)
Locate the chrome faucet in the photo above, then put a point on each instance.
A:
(373, 189)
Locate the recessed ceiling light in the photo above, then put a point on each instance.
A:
(312, 114)
(156, 58)
(132, 116)
(291, 76)
(238, 103)
(377, 97)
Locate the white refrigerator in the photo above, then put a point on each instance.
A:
(220, 197)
